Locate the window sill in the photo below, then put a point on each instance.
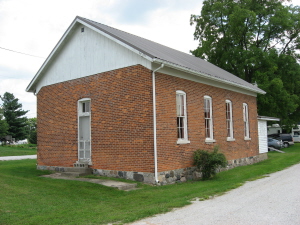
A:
(180, 141)
(210, 140)
(230, 139)
(247, 139)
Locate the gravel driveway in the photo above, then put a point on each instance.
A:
(272, 200)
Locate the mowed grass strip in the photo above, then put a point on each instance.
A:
(27, 198)
(17, 150)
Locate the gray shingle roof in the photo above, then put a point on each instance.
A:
(164, 53)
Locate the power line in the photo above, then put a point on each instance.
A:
(21, 53)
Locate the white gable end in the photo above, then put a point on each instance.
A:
(86, 52)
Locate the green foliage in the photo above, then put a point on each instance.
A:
(258, 41)
(33, 137)
(31, 128)
(14, 115)
(3, 125)
(208, 162)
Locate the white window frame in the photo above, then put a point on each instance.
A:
(182, 113)
(246, 121)
(229, 121)
(208, 120)
(82, 113)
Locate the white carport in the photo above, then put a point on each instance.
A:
(263, 132)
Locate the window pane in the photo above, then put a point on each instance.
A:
(81, 154)
(177, 105)
(87, 154)
(87, 145)
(207, 128)
(182, 133)
(81, 145)
(180, 127)
(178, 110)
(182, 104)
(228, 128)
(87, 107)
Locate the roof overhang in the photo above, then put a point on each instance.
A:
(178, 67)
(78, 20)
(267, 118)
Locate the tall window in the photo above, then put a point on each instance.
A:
(181, 117)
(84, 130)
(246, 121)
(229, 123)
(208, 118)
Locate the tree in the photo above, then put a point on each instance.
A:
(258, 41)
(31, 128)
(14, 115)
(3, 125)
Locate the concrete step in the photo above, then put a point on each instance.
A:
(78, 169)
(74, 174)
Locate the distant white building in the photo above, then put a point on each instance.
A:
(276, 129)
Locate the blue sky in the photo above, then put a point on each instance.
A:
(35, 26)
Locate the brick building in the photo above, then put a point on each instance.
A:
(129, 107)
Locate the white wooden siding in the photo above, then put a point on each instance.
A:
(262, 136)
(87, 53)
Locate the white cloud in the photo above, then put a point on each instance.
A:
(35, 26)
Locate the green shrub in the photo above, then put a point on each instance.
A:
(208, 162)
(33, 137)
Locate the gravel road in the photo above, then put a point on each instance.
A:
(272, 200)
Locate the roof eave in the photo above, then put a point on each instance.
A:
(185, 69)
(268, 118)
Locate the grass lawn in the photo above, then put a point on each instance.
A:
(17, 150)
(27, 198)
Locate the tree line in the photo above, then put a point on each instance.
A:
(13, 121)
(258, 41)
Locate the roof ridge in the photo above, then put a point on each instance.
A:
(112, 27)
(92, 21)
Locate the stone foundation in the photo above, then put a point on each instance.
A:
(166, 177)
(246, 161)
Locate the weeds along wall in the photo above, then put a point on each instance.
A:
(122, 121)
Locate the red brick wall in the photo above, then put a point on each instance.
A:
(122, 126)
(121, 120)
(174, 156)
